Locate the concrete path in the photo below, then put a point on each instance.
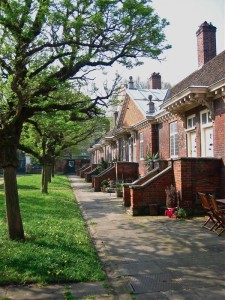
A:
(145, 258)
(153, 257)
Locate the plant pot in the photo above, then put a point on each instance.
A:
(119, 193)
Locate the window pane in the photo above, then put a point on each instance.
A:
(204, 120)
(173, 139)
(141, 146)
(189, 123)
(171, 146)
(194, 121)
(209, 118)
(176, 144)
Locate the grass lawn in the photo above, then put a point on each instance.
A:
(57, 247)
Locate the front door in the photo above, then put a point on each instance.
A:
(130, 149)
(70, 166)
(193, 148)
(208, 141)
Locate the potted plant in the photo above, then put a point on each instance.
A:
(150, 160)
(119, 190)
(104, 185)
(181, 213)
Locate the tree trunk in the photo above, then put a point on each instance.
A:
(49, 173)
(44, 180)
(14, 220)
(9, 139)
(53, 169)
(46, 174)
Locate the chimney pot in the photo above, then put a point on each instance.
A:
(151, 105)
(131, 83)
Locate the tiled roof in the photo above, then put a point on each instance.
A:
(210, 73)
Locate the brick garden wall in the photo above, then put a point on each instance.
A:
(85, 170)
(127, 187)
(119, 172)
(219, 139)
(198, 175)
(109, 173)
(151, 192)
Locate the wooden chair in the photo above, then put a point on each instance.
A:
(209, 212)
(219, 214)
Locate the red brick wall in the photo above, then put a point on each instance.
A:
(126, 171)
(106, 174)
(60, 166)
(219, 138)
(132, 115)
(192, 175)
(82, 168)
(147, 134)
(219, 129)
(127, 189)
(206, 41)
(93, 171)
(152, 192)
(164, 139)
(121, 171)
(85, 170)
(181, 139)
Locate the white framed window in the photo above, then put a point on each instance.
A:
(173, 140)
(141, 141)
(206, 134)
(130, 141)
(191, 136)
(134, 148)
(124, 149)
(206, 120)
(191, 122)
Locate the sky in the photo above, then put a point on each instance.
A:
(185, 17)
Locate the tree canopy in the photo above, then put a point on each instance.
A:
(48, 49)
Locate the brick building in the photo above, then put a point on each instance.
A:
(185, 125)
(135, 131)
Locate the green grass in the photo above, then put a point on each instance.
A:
(57, 247)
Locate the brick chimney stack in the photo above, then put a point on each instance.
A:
(155, 81)
(206, 42)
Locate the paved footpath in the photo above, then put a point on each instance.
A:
(145, 258)
(153, 257)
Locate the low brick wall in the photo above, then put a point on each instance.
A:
(160, 165)
(88, 175)
(193, 175)
(126, 171)
(60, 166)
(85, 170)
(119, 172)
(127, 186)
(82, 168)
(152, 192)
(106, 174)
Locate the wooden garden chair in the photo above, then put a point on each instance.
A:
(209, 212)
(219, 214)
